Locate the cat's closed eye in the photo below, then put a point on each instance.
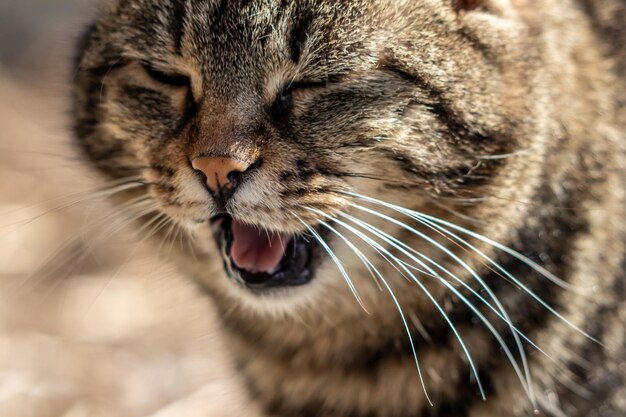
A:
(285, 98)
(168, 78)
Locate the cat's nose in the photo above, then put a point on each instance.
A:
(223, 174)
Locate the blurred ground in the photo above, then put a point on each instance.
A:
(88, 326)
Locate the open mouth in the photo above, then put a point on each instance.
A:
(260, 259)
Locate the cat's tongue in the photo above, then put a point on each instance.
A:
(254, 251)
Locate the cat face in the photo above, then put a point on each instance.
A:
(288, 129)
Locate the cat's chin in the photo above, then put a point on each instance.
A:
(262, 261)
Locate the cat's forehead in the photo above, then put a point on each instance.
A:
(247, 33)
(223, 23)
(210, 30)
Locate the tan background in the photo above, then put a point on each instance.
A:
(91, 324)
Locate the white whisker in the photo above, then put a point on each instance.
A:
(425, 291)
(405, 249)
(336, 260)
(155, 228)
(379, 278)
(419, 216)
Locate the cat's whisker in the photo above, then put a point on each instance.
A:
(335, 260)
(61, 161)
(425, 290)
(182, 237)
(420, 271)
(131, 209)
(161, 220)
(516, 332)
(404, 247)
(140, 208)
(179, 235)
(569, 381)
(379, 278)
(155, 225)
(533, 265)
(499, 269)
(102, 192)
(192, 244)
(85, 197)
(110, 68)
(522, 152)
(538, 268)
(84, 246)
(169, 239)
(502, 314)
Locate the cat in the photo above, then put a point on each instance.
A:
(399, 207)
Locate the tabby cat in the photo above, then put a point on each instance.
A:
(400, 208)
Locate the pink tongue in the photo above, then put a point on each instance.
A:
(254, 251)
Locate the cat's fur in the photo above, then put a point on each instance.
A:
(504, 116)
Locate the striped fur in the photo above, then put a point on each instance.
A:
(504, 117)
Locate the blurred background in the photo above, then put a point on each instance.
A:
(91, 324)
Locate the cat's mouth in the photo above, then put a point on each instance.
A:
(260, 259)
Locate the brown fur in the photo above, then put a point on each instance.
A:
(503, 116)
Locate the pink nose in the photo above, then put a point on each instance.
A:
(222, 173)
